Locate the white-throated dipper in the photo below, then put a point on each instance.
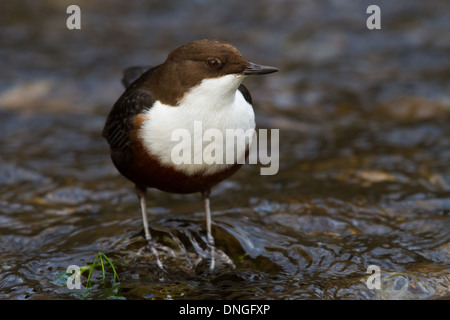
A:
(198, 82)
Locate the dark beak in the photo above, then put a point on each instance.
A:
(254, 69)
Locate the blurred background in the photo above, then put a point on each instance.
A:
(364, 152)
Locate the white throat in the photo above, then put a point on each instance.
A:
(217, 104)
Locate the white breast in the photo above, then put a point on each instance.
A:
(217, 104)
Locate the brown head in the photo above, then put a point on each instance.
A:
(188, 65)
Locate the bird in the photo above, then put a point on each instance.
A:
(199, 82)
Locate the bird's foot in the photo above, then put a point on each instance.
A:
(155, 249)
(221, 256)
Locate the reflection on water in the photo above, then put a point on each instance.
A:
(364, 173)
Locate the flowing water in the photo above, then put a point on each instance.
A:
(364, 176)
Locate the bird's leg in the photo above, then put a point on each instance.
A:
(141, 193)
(209, 235)
(222, 255)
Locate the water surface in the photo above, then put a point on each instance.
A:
(364, 173)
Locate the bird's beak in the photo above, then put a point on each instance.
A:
(255, 69)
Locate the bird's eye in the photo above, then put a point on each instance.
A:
(213, 63)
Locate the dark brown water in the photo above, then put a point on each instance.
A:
(364, 173)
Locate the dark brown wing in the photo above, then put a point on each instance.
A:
(245, 93)
(120, 120)
(132, 102)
